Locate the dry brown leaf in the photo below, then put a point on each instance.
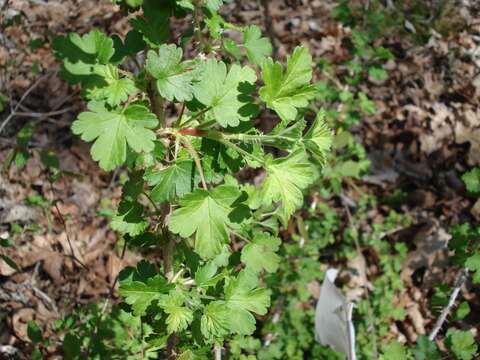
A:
(431, 253)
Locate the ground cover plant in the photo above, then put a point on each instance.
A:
(177, 177)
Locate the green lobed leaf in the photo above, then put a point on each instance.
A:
(472, 180)
(286, 91)
(174, 180)
(425, 349)
(207, 276)
(462, 311)
(213, 5)
(258, 47)
(173, 78)
(129, 218)
(116, 90)
(286, 178)
(394, 351)
(462, 344)
(366, 105)
(205, 214)
(215, 24)
(260, 253)
(242, 298)
(154, 24)
(287, 137)
(318, 138)
(179, 316)
(226, 94)
(113, 130)
(34, 332)
(232, 48)
(94, 43)
(186, 4)
(377, 73)
(214, 321)
(132, 45)
(140, 294)
(473, 264)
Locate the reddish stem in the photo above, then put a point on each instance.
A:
(192, 132)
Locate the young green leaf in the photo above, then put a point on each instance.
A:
(472, 180)
(174, 180)
(226, 94)
(287, 91)
(129, 219)
(207, 276)
(242, 298)
(113, 130)
(258, 47)
(473, 264)
(462, 344)
(462, 311)
(205, 213)
(116, 90)
(94, 43)
(179, 316)
(132, 45)
(260, 253)
(377, 73)
(214, 322)
(318, 139)
(213, 5)
(140, 294)
(394, 351)
(154, 24)
(425, 349)
(173, 78)
(186, 4)
(34, 332)
(232, 48)
(286, 178)
(366, 105)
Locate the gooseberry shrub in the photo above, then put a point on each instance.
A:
(187, 129)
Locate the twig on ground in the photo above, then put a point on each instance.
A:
(64, 224)
(41, 115)
(14, 113)
(461, 277)
(31, 284)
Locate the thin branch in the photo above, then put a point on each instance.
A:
(196, 116)
(64, 224)
(197, 24)
(22, 99)
(43, 115)
(157, 102)
(461, 277)
(157, 209)
(196, 158)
